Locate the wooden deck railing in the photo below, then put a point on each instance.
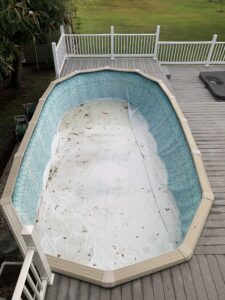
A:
(136, 45)
(35, 273)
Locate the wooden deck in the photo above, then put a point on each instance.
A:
(203, 277)
(145, 64)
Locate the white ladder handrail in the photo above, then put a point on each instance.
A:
(35, 263)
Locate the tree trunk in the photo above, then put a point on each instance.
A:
(16, 81)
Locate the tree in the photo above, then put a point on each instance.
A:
(5, 67)
(74, 20)
(221, 5)
(28, 20)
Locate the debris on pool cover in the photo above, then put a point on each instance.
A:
(215, 83)
(106, 202)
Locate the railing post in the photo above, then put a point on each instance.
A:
(40, 259)
(211, 50)
(56, 64)
(156, 41)
(62, 30)
(112, 42)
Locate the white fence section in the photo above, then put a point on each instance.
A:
(183, 52)
(109, 45)
(136, 45)
(87, 45)
(218, 55)
(35, 274)
(126, 45)
(209, 52)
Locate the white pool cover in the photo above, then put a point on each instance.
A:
(105, 200)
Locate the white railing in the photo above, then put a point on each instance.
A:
(136, 45)
(110, 45)
(103, 45)
(218, 55)
(209, 52)
(126, 45)
(87, 45)
(183, 52)
(35, 273)
(59, 52)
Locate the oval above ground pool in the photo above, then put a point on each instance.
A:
(110, 176)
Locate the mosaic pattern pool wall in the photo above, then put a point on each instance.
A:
(143, 94)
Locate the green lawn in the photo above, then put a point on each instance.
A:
(179, 19)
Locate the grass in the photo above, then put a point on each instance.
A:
(179, 20)
(35, 83)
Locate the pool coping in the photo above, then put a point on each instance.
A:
(110, 278)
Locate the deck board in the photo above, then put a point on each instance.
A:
(52, 291)
(126, 291)
(116, 293)
(104, 294)
(158, 286)
(147, 288)
(178, 283)
(207, 277)
(188, 282)
(84, 291)
(218, 280)
(73, 291)
(197, 279)
(168, 284)
(137, 289)
(63, 289)
(94, 292)
(203, 277)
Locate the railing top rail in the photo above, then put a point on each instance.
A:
(184, 42)
(108, 34)
(87, 34)
(136, 34)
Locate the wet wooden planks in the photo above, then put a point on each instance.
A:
(203, 277)
(145, 64)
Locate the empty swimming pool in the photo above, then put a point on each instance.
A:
(111, 177)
